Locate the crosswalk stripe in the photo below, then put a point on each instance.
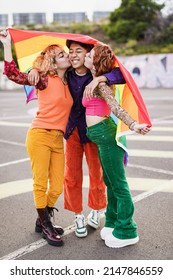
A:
(150, 153)
(14, 162)
(23, 186)
(155, 138)
(14, 124)
(162, 128)
(12, 143)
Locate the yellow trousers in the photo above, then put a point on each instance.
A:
(46, 151)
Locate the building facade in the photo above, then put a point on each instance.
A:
(42, 18)
(4, 21)
(29, 18)
(69, 17)
(97, 16)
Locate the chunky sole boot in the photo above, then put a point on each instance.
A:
(51, 237)
(48, 231)
(38, 227)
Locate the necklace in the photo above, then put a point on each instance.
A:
(80, 74)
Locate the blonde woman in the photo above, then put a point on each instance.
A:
(44, 141)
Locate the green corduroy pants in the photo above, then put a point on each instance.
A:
(120, 207)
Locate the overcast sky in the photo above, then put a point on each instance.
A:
(52, 6)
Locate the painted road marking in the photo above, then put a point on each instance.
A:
(12, 143)
(150, 138)
(24, 186)
(14, 124)
(40, 243)
(150, 153)
(157, 170)
(14, 162)
(162, 128)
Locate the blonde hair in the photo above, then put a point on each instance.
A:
(46, 63)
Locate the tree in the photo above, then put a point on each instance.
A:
(160, 31)
(132, 19)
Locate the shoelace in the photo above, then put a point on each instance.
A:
(51, 212)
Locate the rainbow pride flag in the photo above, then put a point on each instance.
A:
(28, 44)
(130, 98)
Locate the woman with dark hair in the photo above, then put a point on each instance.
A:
(120, 229)
(44, 139)
(78, 144)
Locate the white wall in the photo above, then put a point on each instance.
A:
(151, 71)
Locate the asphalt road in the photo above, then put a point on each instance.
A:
(149, 172)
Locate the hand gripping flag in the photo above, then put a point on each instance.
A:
(29, 44)
(129, 97)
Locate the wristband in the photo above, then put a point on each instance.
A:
(132, 125)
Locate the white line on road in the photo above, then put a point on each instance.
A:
(163, 118)
(40, 243)
(150, 153)
(14, 162)
(158, 170)
(12, 143)
(162, 128)
(154, 138)
(23, 186)
(14, 124)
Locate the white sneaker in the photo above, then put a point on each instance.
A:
(93, 219)
(113, 242)
(105, 231)
(81, 230)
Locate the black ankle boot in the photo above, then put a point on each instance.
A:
(38, 227)
(48, 231)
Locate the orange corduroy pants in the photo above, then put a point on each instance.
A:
(74, 175)
(46, 152)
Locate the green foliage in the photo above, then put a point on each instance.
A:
(132, 19)
(133, 47)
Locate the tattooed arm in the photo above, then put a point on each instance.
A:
(106, 93)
